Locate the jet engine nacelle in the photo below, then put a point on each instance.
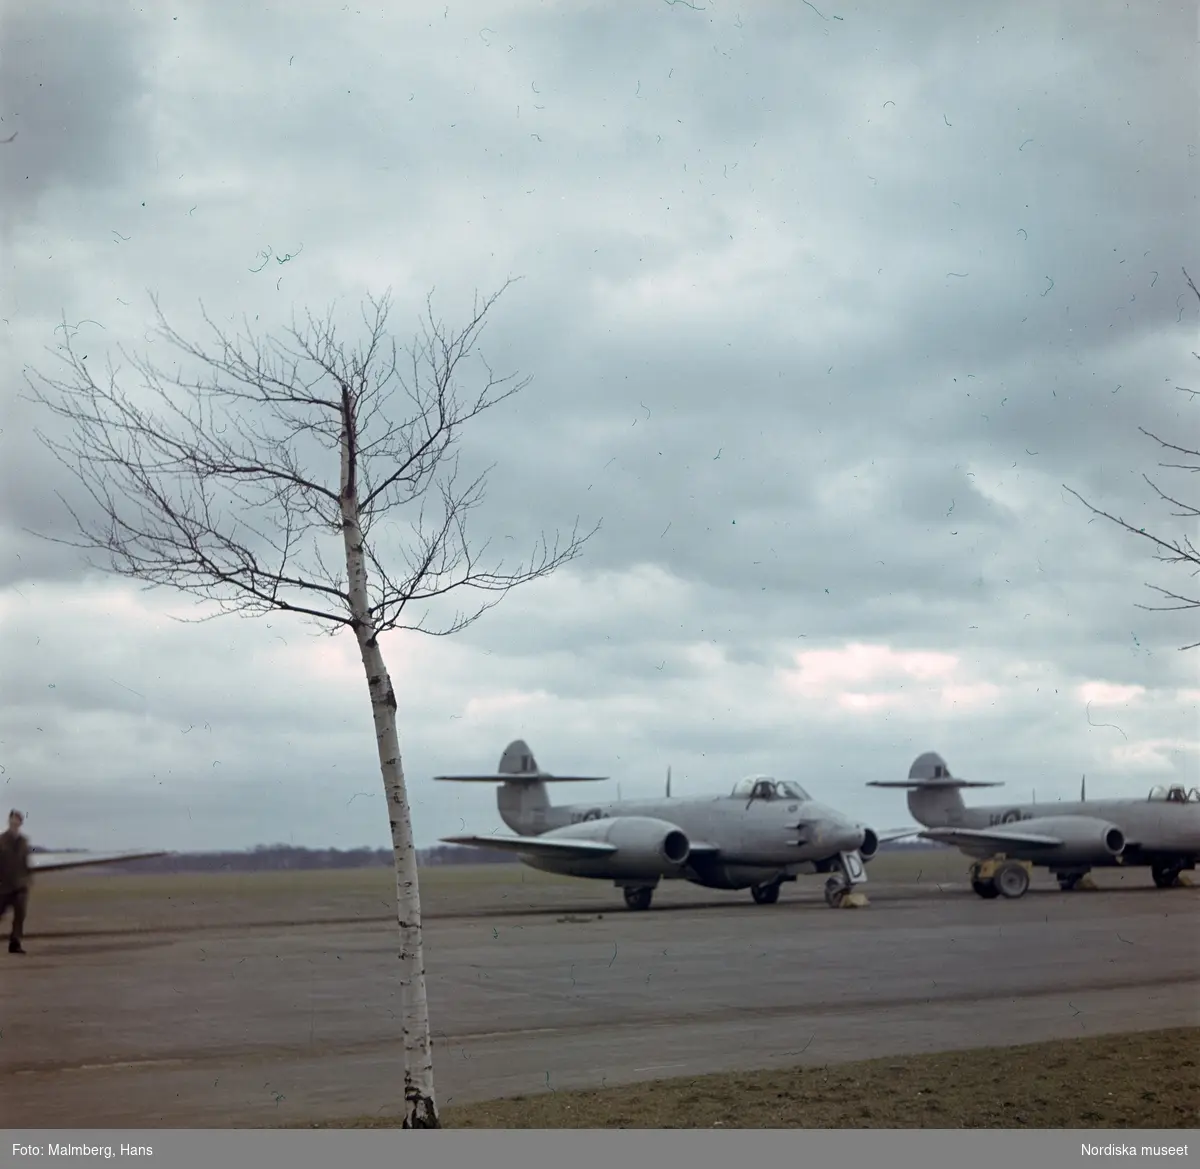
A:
(1085, 840)
(645, 845)
(869, 846)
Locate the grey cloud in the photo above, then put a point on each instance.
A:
(73, 91)
(713, 399)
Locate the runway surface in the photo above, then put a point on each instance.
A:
(271, 1025)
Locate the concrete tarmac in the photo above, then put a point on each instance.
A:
(267, 1026)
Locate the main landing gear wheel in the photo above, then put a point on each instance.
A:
(1166, 878)
(986, 889)
(1011, 880)
(1068, 882)
(638, 898)
(765, 894)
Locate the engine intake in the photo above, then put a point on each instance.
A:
(676, 847)
(1085, 839)
(869, 846)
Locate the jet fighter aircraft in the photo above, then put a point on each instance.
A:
(1161, 831)
(764, 832)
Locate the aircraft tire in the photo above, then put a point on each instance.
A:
(986, 889)
(1070, 882)
(1165, 878)
(638, 898)
(835, 890)
(765, 894)
(1012, 881)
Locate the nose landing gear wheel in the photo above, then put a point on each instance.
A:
(835, 892)
(1000, 878)
(1011, 880)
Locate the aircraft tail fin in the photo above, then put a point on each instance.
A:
(521, 797)
(930, 771)
(934, 798)
(518, 766)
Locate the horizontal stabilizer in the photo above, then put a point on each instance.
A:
(930, 770)
(536, 845)
(520, 777)
(990, 836)
(51, 862)
(518, 765)
(949, 782)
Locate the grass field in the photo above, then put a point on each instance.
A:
(150, 901)
(1140, 1080)
(91, 900)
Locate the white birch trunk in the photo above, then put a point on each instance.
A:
(420, 1107)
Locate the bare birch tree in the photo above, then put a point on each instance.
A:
(263, 482)
(1180, 549)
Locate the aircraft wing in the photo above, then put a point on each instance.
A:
(997, 836)
(536, 845)
(49, 862)
(558, 846)
(891, 834)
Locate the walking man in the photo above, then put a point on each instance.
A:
(14, 878)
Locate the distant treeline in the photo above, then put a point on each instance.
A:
(281, 857)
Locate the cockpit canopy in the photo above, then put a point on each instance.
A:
(763, 787)
(1175, 794)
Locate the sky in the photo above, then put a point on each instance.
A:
(823, 305)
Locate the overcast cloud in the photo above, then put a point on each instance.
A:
(822, 305)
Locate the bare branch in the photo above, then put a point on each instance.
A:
(1181, 551)
(1184, 602)
(223, 476)
(1173, 447)
(1191, 285)
(1166, 544)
